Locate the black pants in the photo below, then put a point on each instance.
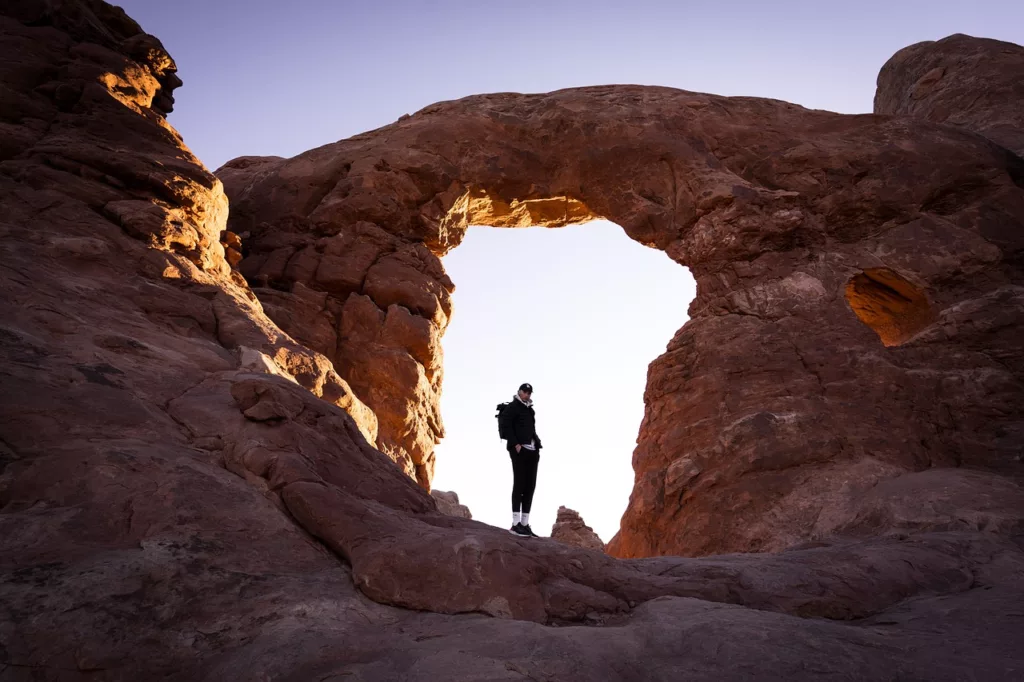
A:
(524, 478)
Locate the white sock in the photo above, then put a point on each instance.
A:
(515, 518)
(526, 519)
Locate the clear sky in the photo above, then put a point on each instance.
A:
(589, 309)
(269, 77)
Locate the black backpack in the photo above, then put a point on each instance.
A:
(503, 425)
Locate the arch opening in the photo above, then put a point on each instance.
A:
(891, 306)
(579, 312)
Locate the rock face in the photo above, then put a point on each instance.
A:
(448, 503)
(375, 304)
(188, 492)
(858, 301)
(972, 83)
(570, 529)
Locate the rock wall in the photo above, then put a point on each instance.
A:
(187, 492)
(858, 289)
(570, 529)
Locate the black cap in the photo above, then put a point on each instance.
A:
(526, 387)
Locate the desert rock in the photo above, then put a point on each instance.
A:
(448, 503)
(858, 288)
(973, 83)
(570, 529)
(190, 492)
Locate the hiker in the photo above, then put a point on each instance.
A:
(517, 424)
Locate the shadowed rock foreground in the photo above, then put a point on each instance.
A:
(198, 471)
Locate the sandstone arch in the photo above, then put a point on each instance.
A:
(773, 207)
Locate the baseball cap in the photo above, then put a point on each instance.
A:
(526, 387)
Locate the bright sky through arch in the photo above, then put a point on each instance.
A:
(578, 312)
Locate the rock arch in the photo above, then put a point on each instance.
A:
(779, 397)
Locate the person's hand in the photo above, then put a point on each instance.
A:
(518, 447)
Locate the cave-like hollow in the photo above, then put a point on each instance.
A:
(891, 306)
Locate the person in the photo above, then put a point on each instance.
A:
(524, 449)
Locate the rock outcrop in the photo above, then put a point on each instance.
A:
(188, 492)
(972, 83)
(858, 299)
(570, 529)
(448, 503)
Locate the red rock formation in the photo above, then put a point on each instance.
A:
(570, 529)
(858, 287)
(972, 83)
(448, 503)
(377, 308)
(187, 492)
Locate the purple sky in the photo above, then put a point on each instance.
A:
(271, 77)
(278, 78)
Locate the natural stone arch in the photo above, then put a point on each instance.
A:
(774, 208)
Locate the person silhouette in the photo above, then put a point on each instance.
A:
(523, 444)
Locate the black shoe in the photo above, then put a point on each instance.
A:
(520, 530)
(528, 532)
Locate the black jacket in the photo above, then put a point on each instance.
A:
(521, 423)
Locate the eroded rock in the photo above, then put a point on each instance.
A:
(829, 346)
(570, 529)
(448, 503)
(973, 83)
(187, 491)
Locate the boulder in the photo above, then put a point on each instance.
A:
(976, 84)
(570, 529)
(448, 503)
